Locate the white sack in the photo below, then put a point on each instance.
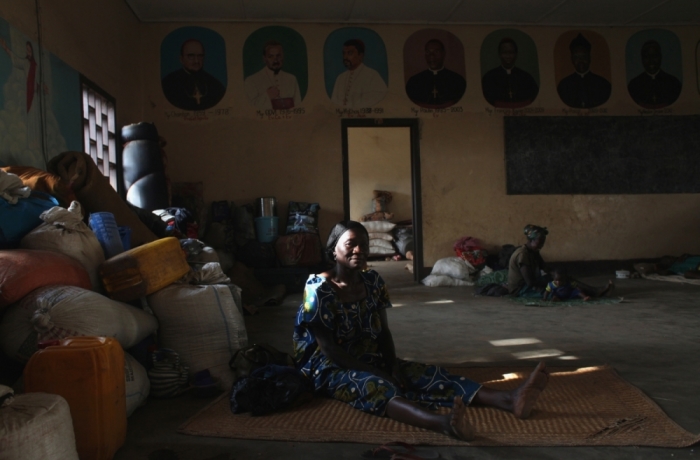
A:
(380, 236)
(57, 312)
(379, 226)
(203, 324)
(444, 280)
(138, 386)
(383, 244)
(454, 267)
(64, 231)
(37, 426)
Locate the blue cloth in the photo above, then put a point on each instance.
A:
(565, 292)
(356, 326)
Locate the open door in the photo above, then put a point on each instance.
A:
(412, 171)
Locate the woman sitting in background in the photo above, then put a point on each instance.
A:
(343, 344)
(526, 266)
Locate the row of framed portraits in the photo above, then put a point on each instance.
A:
(356, 74)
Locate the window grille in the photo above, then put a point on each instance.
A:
(99, 127)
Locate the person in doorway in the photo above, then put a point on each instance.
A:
(191, 87)
(583, 89)
(508, 86)
(359, 86)
(654, 88)
(437, 86)
(271, 87)
(343, 344)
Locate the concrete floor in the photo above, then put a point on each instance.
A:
(652, 340)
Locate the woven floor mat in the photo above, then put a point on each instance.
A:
(535, 302)
(590, 406)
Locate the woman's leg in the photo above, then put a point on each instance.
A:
(454, 424)
(519, 401)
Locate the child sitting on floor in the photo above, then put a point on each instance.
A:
(562, 288)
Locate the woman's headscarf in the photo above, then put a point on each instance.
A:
(532, 232)
(338, 231)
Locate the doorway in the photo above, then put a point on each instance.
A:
(384, 154)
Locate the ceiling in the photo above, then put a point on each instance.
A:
(512, 12)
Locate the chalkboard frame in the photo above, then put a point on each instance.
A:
(554, 155)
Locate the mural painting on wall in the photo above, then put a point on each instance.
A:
(582, 69)
(434, 71)
(193, 68)
(654, 68)
(37, 122)
(510, 76)
(355, 69)
(275, 69)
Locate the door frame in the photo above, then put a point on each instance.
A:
(414, 125)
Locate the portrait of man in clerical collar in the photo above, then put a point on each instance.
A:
(434, 69)
(275, 69)
(509, 69)
(193, 68)
(355, 67)
(654, 68)
(582, 69)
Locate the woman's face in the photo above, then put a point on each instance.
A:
(352, 249)
(537, 243)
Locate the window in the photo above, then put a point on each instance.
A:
(99, 138)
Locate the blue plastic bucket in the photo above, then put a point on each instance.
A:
(266, 228)
(107, 233)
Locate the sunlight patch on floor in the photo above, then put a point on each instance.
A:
(513, 342)
(434, 302)
(538, 354)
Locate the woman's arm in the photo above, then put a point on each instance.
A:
(326, 343)
(530, 278)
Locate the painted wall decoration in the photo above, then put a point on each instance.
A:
(510, 74)
(355, 67)
(275, 68)
(582, 69)
(434, 72)
(193, 68)
(40, 102)
(654, 68)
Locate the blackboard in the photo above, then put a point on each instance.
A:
(602, 155)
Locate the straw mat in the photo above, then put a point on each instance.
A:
(590, 406)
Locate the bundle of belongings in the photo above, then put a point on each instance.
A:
(379, 205)
(457, 271)
(57, 281)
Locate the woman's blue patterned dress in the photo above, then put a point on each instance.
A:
(356, 327)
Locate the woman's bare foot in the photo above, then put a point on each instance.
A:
(608, 289)
(525, 396)
(586, 298)
(457, 425)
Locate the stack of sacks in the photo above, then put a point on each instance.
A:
(199, 311)
(45, 295)
(380, 238)
(450, 271)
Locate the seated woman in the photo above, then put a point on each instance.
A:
(342, 342)
(525, 278)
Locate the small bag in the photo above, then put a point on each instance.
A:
(168, 377)
(246, 360)
(269, 389)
